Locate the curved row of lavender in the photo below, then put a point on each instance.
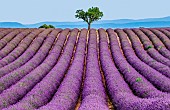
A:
(142, 88)
(67, 94)
(14, 43)
(93, 94)
(157, 43)
(121, 95)
(1, 29)
(160, 81)
(12, 77)
(143, 56)
(167, 28)
(46, 73)
(35, 77)
(27, 55)
(30, 80)
(165, 40)
(123, 98)
(4, 32)
(56, 76)
(151, 51)
(164, 31)
(9, 37)
(21, 48)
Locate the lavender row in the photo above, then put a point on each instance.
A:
(121, 95)
(93, 95)
(13, 43)
(156, 78)
(157, 43)
(165, 40)
(1, 29)
(19, 50)
(167, 29)
(53, 79)
(21, 88)
(14, 76)
(142, 88)
(164, 31)
(114, 81)
(27, 55)
(151, 51)
(69, 90)
(45, 89)
(8, 37)
(5, 32)
(143, 56)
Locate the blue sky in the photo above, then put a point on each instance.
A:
(33, 11)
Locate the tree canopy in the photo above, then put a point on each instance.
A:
(93, 14)
(46, 26)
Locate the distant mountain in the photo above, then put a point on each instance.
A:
(134, 24)
(123, 21)
(154, 19)
(125, 25)
(11, 25)
(120, 23)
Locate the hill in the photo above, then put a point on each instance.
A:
(120, 23)
(71, 69)
(11, 25)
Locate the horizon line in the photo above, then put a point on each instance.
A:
(83, 21)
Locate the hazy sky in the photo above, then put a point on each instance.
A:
(33, 11)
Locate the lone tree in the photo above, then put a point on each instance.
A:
(93, 14)
(46, 26)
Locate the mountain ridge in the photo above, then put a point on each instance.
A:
(148, 22)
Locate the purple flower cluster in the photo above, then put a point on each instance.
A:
(121, 95)
(1, 29)
(141, 53)
(4, 32)
(29, 81)
(156, 78)
(93, 95)
(56, 69)
(152, 51)
(8, 37)
(19, 50)
(164, 31)
(165, 40)
(14, 43)
(143, 88)
(69, 90)
(167, 28)
(27, 55)
(31, 78)
(157, 43)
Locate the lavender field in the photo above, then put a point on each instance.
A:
(73, 69)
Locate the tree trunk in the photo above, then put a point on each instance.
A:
(88, 26)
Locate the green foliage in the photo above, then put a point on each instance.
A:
(46, 26)
(159, 47)
(51, 26)
(93, 14)
(150, 46)
(138, 79)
